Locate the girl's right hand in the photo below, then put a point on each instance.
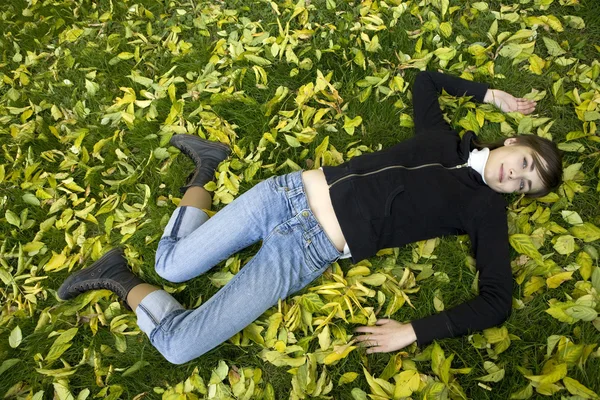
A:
(385, 336)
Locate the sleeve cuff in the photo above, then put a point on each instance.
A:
(430, 328)
(480, 91)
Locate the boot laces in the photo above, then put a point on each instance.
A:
(191, 154)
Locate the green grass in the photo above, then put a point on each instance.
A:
(59, 77)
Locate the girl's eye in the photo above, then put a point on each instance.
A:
(522, 185)
(524, 163)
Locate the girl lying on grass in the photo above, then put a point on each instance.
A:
(431, 185)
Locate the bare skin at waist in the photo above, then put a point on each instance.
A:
(317, 193)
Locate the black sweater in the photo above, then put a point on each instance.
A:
(421, 189)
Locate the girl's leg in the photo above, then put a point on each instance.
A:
(192, 244)
(196, 197)
(293, 253)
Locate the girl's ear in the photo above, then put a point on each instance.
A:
(510, 141)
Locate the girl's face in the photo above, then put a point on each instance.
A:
(510, 169)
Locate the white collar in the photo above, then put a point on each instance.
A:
(478, 159)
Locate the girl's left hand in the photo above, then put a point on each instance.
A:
(509, 103)
(387, 335)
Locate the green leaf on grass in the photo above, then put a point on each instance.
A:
(15, 338)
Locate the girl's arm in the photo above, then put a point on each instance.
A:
(428, 85)
(488, 232)
(489, 241)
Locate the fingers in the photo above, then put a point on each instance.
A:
(525, 106)
(365, 329)
(367, 341)
(382, 326)
(377, 349)
(374, 344)
(373, 328)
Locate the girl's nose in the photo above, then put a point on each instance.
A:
(512, 174)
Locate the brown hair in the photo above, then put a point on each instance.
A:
(550, 170)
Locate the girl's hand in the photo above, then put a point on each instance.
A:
(509, 103)
(387, 335)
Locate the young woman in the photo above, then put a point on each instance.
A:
(431, 185)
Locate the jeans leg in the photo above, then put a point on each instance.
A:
(294, 252)
(245, 221)
(184, 221)
(281, 266)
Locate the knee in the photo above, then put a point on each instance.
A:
(176, 358)
(169, 274)
(179, 356)
(167, 269)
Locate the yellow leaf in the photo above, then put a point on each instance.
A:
(374, 279)
(547, 389)
(407, 382)
(554, 23)
(125, 55)
(360, 270)
(536, 64)
(348, 377)
(252, 332)
(581, 312)
(558, 372)
(559, 314)
(572, 217)
(577, 389)
(12, 218)
(350, 124)
(376, 389)
(437, 358)
(522, 244)
(523, 394)
(565, 244)
(359, 59)
(57, 260)
(585, 265)
(280, 360)
(324, 338)
(556, 280)
(33, 247)
(445, 53)
(257, 60)
(61, 389)
(15, 337)
(70, 35)
(495, 335)
(534, 284)
(338, 353)
(587, 232)
(446, 29)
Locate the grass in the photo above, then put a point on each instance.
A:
(58, 77)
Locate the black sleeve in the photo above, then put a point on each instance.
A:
(428, 85)
(489, 240)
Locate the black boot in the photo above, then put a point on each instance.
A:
(109, 272)
(205, 154)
